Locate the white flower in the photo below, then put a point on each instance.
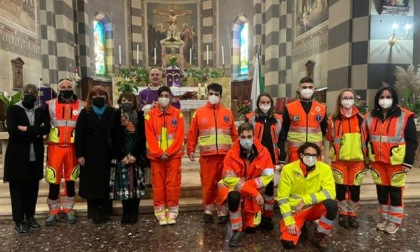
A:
(7, 96)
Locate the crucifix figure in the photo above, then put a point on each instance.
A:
(172, 17)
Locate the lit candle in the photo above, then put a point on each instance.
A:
(137, 55)
(199, 91)
(207, 54)
(155, 54)
(119, 54)
(190, 55)
(223, 56)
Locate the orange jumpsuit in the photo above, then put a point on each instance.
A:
(259, 132)
(165, 134)
(61, 154)
(247, 177)
(347, 155)
(213, 128)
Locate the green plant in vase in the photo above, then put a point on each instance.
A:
(408, 88)
(142, 76)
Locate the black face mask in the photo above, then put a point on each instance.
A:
(29, 101)
(127, 106)
(98, 102)
(66, 94)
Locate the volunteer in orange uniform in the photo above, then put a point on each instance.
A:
(165, 147)
(392, 144)
(247, 170)
(61, 160)
(304, 120)
(267, 126)
(347, 155)
(307, 193)
(213, 127)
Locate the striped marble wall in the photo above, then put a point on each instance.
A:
(137, 32)
(83, 37)
(48, 42)
(207, 33)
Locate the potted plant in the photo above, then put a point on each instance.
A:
(7, 100)
(408, 88)
(244, 108)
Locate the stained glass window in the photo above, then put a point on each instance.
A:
(99, 38)
(243, 43)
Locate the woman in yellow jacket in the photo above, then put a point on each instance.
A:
(347, 156)
(306, 193)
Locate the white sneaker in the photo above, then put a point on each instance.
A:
(171, 221)
(391, 228)
(163, 222)
(382, 225)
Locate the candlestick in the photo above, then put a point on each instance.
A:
(207, 54)
(137, 55)
(119, 54)
(199, 91)
(190, 55)
(223, 56)
(155, 54)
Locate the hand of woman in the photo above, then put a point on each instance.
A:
(124, 161)
(22, 128)
(81, 161)
(292, 229)
(131, 159)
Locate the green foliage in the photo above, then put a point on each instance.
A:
(125, 72)
(128, 85)
(142, 76)
(408, 88)
(7, 100)
(173, 61)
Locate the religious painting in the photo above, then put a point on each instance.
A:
(309, 14)
(17, 69)
(21, 15)
(396, 3)
(172, 30)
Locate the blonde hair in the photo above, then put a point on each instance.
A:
(338, 103)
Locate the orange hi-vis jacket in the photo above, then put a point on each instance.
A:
(245, 177)
(213, 127)
(386, 139)
(305, 127)
(63, 117)
(274, 130)
(164, 133)
(347, 137)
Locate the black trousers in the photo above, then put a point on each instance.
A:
(24, 196)
(99, 208)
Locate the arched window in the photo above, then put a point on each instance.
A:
(243, 44)
(99, 47)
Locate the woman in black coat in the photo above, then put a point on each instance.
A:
(24, 158)
(93, 154)
(127, 139)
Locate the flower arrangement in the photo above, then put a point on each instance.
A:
(361, 105)
(408, 88)
(244, 107)
(173, 61)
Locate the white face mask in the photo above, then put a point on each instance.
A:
(265, 108)
(246, 143)
(163, 101)
(309, 160)
(306, 93)
(347, 103)
(213, 99)
(385, 103)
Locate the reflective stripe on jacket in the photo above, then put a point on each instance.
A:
(386, 139)
(245, 177)
(164, 133)
(347, 137)
(63, 118)
(316, 187)
(274, 131)
(305, 127)
(213, 128)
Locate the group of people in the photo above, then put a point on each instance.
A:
(111, 148)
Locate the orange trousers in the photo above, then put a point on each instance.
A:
(390, 181)
(211, 168)
(316, 212)
(61, 160)
(166, 182)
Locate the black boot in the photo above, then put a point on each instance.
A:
(21, 228)
(134, 211)
(343, 220)
(235, 240)
(125, 219)
(266, 223)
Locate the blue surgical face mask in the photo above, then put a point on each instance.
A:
(246, 143)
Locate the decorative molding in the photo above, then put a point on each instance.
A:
(21, 46)
(312, 45)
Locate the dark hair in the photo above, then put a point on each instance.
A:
(129, 96)
(394, 97)
(306, 79)
(164, 89)
(97, 90)
(245, 126)
(215, 87)
(306, 145)
(258, 110)
(338, 103)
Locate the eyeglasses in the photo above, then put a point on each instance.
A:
(347, 98)
(310, 155)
